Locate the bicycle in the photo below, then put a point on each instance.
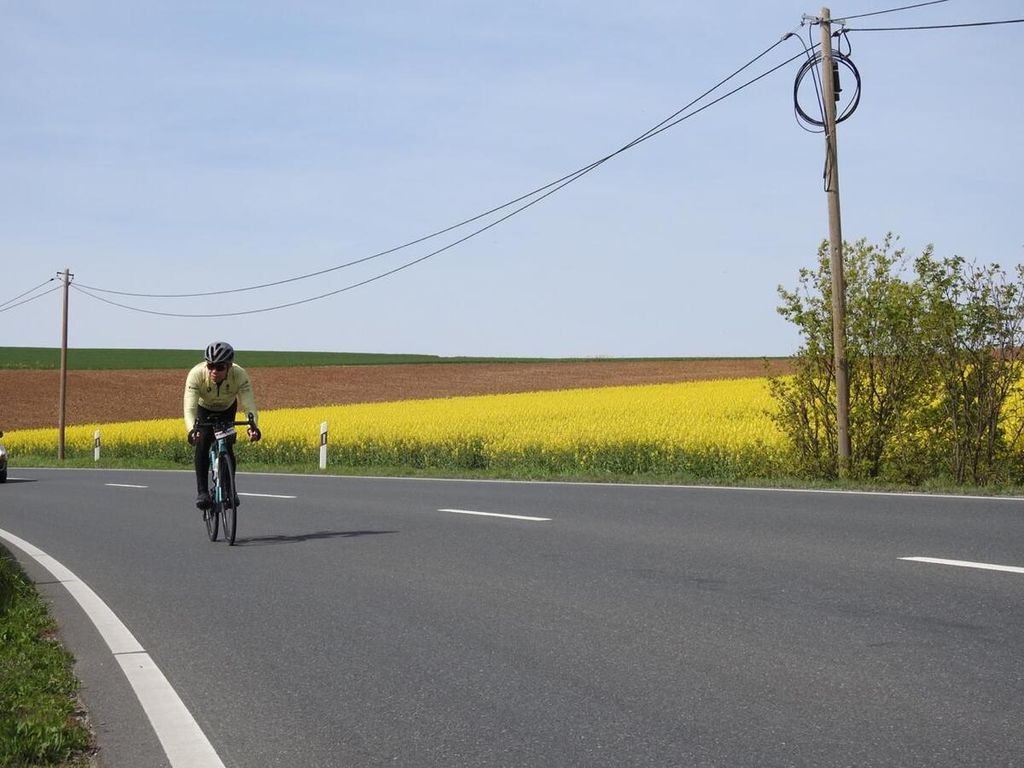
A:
(223, 511)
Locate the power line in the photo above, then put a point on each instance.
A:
(842, 19)
(557, 184)
(26, 293)
(812, 57)
(660, 128)
(552, 187)
(33, 298)
(936, 26)
(547, 189)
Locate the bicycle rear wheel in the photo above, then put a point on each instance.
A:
(228, 510)
(211, 516)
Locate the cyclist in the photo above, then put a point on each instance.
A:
(213, 390)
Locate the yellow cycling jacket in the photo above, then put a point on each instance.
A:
(200, 390)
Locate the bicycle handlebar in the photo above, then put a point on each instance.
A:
(224, 422)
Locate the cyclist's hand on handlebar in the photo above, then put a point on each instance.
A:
(254, 433)
(194, 436)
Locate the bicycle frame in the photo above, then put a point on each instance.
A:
(218, 449)
(223, 511)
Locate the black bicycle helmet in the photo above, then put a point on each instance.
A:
(220, 352)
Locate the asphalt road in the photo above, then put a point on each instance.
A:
(363, 623)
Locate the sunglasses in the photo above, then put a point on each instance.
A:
(216, 367)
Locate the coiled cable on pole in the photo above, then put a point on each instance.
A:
(808, 66)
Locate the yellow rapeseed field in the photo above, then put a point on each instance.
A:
(717, 429)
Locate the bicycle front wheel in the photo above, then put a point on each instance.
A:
(228, 510)
(212, 522)
(211, 516)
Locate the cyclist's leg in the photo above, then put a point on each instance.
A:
(202, 460)
(202, 463)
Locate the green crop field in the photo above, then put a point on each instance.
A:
(124, 359)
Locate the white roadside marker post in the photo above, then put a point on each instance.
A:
(323, 445)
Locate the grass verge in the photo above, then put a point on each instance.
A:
(533, 473)
(41, 722)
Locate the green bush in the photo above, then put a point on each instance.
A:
(934, 368)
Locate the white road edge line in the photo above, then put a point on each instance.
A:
(267, 495)
(966, 564)
(124, 485)
(184, 742)
(495, 514)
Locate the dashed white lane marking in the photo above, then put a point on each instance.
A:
(495, 514)
(966, 564)
(184, 742)
(259, 495)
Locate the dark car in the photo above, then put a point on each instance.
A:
(3, 462)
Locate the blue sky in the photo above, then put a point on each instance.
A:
(188, 147)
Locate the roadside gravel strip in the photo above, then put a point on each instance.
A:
(184, 743)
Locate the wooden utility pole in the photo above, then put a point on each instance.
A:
(66, 279)
(835, 231)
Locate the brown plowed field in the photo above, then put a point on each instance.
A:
(30, 398)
